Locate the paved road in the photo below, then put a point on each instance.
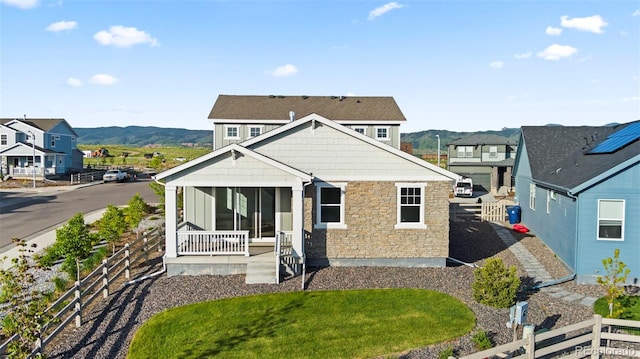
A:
(26, 214)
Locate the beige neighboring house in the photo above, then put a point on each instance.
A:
(320, 191)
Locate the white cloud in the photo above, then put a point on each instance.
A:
(525, 55)
(74, 82)
(61, 26)
(103, 79)
(496, 65)
(556, 52)
(593, 23)
(23, 4)
(350, 94)
(629, 99)
(285, 70)
(636, 13)
(120, 36)
(383, 9)
(624, 33)
(553, 31)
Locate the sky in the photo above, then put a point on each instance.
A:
(450, 65)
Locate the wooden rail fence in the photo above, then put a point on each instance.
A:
(594, 338)
(69, 306)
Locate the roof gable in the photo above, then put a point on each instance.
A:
(559, 155)
(345, 143)
(277, 108)
(40, 124)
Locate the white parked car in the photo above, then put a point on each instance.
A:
(115, 175)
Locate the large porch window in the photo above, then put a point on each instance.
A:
(242, 208)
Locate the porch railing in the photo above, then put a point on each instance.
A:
(196, 242)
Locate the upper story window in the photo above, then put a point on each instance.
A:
(231, 132)
(410, 205)
(360, 129)
(611, 219)
(54, 139)
(330, 205)
(4, 139)
(465, 151)
(493, 151)
(254, 131)
(382, 133)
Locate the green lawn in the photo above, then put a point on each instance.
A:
(630, 304)
(312, 324)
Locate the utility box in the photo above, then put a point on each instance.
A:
(522, 308)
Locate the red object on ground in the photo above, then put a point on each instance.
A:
(520, 228)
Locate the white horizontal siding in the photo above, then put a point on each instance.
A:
(331, 154)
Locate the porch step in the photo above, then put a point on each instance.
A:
(261, 272)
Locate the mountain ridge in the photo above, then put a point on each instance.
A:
(150, 136)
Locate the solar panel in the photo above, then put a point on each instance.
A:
(618, 139)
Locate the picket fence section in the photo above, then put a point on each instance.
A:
(489, 211)
(69, 306)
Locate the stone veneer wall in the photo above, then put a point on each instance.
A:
(370, 216)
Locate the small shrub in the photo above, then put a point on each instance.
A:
(446, 353)
(112, 225)
(495, 285)
(60, 284)
(94, 259)
(482, 341)
(135, 211)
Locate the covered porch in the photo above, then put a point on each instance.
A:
(21, 160)
(237, 207)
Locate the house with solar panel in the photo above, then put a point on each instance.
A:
(579, 192)
(305, 180)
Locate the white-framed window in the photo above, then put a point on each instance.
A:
(231, 132)
(410, 205)
(382, 133)
(360, 129)
(532, 196)
(54, 139)
(254, 131)
(465, 151)
(330, 199)
(4, 139)
(493, 151)
(611, 219)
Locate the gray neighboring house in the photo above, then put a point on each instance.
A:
(54, 149)
(331, 193)
(487, 159)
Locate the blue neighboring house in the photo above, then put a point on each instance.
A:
(46, 145)
(579, 190)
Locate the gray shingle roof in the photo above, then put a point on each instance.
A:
(44, 124)
(558, 155)
(336, 108)
(482, 139)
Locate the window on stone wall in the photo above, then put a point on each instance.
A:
(611, 219)
(410, 205)
(330, 205)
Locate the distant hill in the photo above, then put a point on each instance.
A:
(144, 136)
(422, 142)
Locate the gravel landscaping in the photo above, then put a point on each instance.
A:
(108, 330)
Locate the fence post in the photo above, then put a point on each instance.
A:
(531, 346)
(105, 278)
(595, 342)
(78, 305)
(145, 239)
(127, 271)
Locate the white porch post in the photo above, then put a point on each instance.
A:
(171, 221)
(297, 209)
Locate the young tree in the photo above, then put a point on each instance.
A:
(75, 243)
(25, 313)
(112, 225)
(158, 189)
(615, 277)
(135, 211)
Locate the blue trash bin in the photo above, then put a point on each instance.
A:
(514, 214)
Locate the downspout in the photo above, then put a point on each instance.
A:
(164, 269)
